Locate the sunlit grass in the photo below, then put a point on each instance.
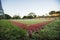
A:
(31, 21)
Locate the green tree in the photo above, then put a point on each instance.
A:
(7, 16)
(25, 17)
(30, 17)
(52, 12)
(57, 13)
(32, 14)
(16, 17)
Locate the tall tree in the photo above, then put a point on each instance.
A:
(55, 13)
(25, 17)
(58, 12)
(32, 14)
(7, 16)
(16, 17)
(52, 12)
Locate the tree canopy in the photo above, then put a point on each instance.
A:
(16, 17)
(54, 13)
(30, 16)
(7, 16)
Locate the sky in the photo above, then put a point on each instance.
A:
(24, 7)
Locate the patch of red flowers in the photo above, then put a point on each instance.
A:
(30, 28)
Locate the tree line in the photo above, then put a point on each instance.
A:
(32, 15)
(29, 16)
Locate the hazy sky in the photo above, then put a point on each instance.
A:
(24, 7)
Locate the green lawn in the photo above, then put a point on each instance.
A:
(8, 31)
(31, 21)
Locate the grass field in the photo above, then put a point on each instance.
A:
(9, 31)
(31, 21)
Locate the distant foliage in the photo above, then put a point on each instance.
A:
(7, 16)
(16, 17)
(54, 13)
(25, 17)
(30, 16)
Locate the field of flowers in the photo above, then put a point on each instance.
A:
(15, 30)
(31, 27)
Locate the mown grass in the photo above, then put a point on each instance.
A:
(8, 31)
(31, 21)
